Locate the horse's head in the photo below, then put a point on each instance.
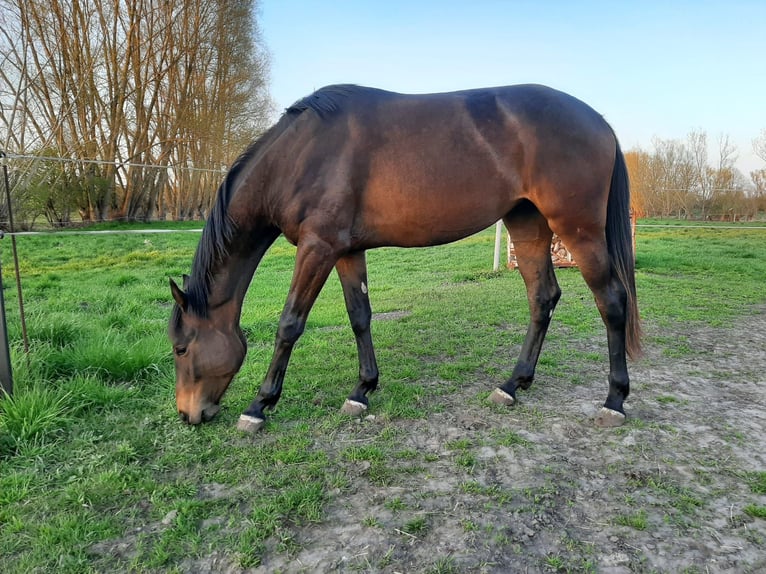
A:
(208, 352)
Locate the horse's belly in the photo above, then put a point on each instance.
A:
(415, 217)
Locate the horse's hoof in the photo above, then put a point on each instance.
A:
(500, 397)
(250, 425)
(607, 418)
(353, 408)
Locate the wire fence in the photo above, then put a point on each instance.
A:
(48, 192)
(63, 196)
(99, 162)
(101, 232)
(52, 192)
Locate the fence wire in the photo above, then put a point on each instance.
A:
(58, 192)
(116, 164)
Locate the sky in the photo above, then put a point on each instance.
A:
(652, 68)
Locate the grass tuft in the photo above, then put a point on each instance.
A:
(33, 417)
(757, 481)
(756, 511)
(637, 520)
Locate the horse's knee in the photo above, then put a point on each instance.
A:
(360, 319)
(290, 329)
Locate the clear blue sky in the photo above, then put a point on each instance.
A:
(652, 68)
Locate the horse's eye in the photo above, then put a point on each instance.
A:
(179, 351)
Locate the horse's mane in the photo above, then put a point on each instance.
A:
(217, 234)
(220, 228)
(325, 101)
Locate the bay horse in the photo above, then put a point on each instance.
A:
(350, 168)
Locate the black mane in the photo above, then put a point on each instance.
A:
(216, 237)
(219, 228)
(324, 101)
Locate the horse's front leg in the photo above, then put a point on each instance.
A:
(313, 262)
(352, 270)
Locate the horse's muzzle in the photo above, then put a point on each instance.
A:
(201, 416)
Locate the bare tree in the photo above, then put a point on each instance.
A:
(758, 176)
(759, 145)
(180, 84)
(672, 176)
(718, 178)
(677, 179)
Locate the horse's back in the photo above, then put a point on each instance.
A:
(432, 168)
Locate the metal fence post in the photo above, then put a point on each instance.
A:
(6, 372)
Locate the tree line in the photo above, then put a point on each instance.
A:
(677, 179)
(148, 100)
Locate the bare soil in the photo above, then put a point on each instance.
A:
(538, 488)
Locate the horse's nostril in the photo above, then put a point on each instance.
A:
(183, 416)
(210, 412)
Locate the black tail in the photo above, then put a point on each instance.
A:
(619, 240)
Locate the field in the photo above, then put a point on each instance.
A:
(97, 474)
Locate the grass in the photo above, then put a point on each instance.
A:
(757, 481)
(91, 451)
(756, 511)
(637, 520)
(699, 266)
(418, 526)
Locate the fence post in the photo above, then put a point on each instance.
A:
(498, 245)
(6, 372)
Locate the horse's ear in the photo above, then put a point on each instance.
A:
(186, 281)
(178, 295)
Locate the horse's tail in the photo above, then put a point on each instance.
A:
(619, 241)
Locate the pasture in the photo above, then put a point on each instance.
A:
(97, 474)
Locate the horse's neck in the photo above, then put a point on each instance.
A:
(240, 225)
(232, 274)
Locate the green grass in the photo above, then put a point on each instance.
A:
(418, 526)
(91, 451)
(637, 520)
(756, 511)
(715, 272)
(757, 481)
(443, 565)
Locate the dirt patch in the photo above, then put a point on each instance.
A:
(476, 487)
(538, 488)
(390, 315)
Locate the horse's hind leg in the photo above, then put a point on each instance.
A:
(590, 252)
(352, 270)
(532, 241)
(313, 262)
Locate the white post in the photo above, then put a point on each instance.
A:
(498, 245)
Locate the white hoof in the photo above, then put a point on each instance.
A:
(353, 408)
(250, 424)
(607, 418)
(500, 397)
